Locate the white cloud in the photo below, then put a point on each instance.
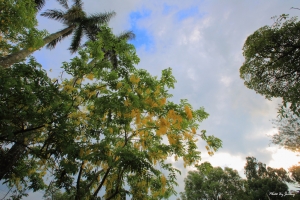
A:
(282, 158)
(226, 160)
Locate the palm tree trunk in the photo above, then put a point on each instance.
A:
(22, 54)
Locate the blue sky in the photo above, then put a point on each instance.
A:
(144, 37)
(202, 42)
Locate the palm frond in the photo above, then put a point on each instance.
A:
(74, 15)
(64, 3)
(91, 32)
(127, 35)
(39, 4)
(58, 15)
(99, 18)
(75, 44)
(78, 3)
(90, 35)
(53, 43)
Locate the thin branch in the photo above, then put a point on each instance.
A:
(78, 182)
(95, 178)
(117, 186)
(27, 130)
(102, 182)
(7, 193)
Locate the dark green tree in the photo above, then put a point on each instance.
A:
(211, 183)
(272, 64)
(26, 107)
(265, 182)
(261, 182)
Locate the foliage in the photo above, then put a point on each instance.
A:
(105, 128)
(263, 181)
(295, 175)
(29, 102)
(288, 135)
(54, 193)
(213, 183)
(17, 27)
(271, 66)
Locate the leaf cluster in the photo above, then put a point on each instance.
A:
(261, 182)
(18, 26)
(271, 66)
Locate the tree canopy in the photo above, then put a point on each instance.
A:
(211, 183)
(261, 182)
(265, 182)
(272, 64)
(106, 128)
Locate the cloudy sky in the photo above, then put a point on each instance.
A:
(202, 42)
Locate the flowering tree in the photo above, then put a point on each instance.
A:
(103, 129)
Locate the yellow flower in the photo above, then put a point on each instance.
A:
(81, 152)
(126, 103)
(90, 76)
(134, 79)
(163, 101)
(163, 180)
(194, 130)
(176, 157)
(78, 81)
(119, 85)
(188, 112)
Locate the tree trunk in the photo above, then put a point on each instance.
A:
(13, 58)
(9, 159)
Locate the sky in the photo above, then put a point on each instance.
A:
(202, 42)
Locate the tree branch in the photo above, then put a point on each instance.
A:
(102, 182)
(77, 197)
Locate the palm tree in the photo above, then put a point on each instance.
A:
(76, 22)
